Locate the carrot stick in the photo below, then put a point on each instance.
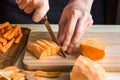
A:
(17, 40)
(14, 32)
(4, 25)
(7, 46)
(7, 33)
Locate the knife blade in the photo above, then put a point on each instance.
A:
(45, 21)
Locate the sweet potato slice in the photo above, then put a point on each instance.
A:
(4, 25)
(47, 74)
(37, 50)
(57, 47)
(53, 50)
(45, 46)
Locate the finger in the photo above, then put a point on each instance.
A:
(62, 28)
(39, 14)
(30, 7)
(24, 3)
(18, 1)
(70, 27)
(79, 31)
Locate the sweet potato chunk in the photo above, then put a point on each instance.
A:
(93, 48)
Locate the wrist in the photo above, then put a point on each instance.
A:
(88, 3)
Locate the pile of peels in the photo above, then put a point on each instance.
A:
(9, 34)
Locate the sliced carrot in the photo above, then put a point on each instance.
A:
(47, 74)
(7, 46)
(4, 25)
(7, 33)
(17, 40)
(15, 32)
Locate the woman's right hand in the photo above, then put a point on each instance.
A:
(39, 7)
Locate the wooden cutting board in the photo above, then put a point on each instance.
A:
(111, 61)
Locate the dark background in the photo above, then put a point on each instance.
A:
(103, 11)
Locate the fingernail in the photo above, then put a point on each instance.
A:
(36, 19)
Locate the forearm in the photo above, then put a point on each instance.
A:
(87, 3)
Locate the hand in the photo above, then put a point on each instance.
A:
(74, 22)
(40, 8)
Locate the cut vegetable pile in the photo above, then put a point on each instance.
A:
(9, 35)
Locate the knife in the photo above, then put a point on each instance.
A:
(45, 21)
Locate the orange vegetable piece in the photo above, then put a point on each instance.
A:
(93, 48)
(7, 33)
(3, 25)
(37, 50)
(47, 74)
(7, 46)
(45, 46)
(14, 32)
(87, 69)
(17, 40)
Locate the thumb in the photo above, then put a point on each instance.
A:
(39, 14)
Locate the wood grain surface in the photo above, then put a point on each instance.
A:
(10, 57)
(111, 61)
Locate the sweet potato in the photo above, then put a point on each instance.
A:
(17, 40)
(87, 69)
(93, 48)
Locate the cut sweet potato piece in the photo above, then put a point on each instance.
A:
(57, 47)
(37, 50)
(87, 69)
(93, 48)
(47, 74)
(41, 43)
(3, 25)
(53, 48)
(7, 46)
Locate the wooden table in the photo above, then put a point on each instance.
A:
(94, 28)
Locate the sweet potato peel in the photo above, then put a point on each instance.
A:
(14, 73)
(9, 35)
